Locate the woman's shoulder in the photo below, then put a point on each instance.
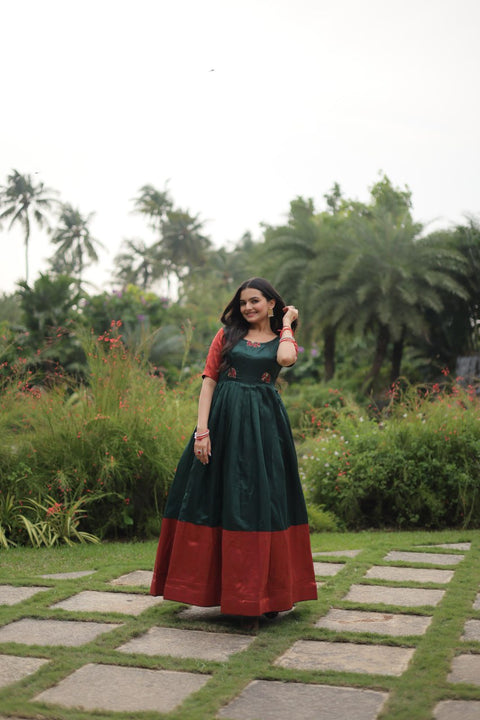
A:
(219, 336)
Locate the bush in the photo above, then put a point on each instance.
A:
(321, 520)
(417, 466)
(117, 439)
(314, 406)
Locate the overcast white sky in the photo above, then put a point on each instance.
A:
(240, 105)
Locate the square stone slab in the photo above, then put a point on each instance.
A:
(465, 669)
(111, 602)
(457, 710)
(420, 575)
(472, 630)
(326, 569)
(450, 546)
(273, 700)
(13, 668)
(476, 604)
(346, 657)
(428, 558)
(70, 633)
(405, 597)
(11, 595)
(374, 622)
(337, 553)
(123, 689)
(187, 644)
(68, 575)
(137, 577)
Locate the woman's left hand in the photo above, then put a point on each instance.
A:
(290, 313)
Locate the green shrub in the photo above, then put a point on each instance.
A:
(312, 406)
(321, 520)
(117, 439)
(418, 467)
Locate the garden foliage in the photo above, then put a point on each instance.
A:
(415, 464)
(103, 453)
(83, 461)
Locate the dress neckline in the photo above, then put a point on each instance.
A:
(259, 342)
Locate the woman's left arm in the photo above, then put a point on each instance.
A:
(287, 348)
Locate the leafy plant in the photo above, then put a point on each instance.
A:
(9, 519)
(54, 522)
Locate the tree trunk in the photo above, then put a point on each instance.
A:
(329, 337)
(397, 354)
(26, 255)
(383, 339)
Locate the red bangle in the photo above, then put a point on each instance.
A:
(290, 339)
(200, 436)
(286, 327)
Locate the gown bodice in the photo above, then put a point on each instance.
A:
(252, 362)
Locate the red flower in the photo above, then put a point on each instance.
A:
(232, 373)
(57, 507)
(266, 377)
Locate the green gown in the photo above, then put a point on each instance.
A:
(235, 531)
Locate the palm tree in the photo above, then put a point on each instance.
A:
(387, 281)
(75, 243)
(139, 264)
(300, 257)
(182, 244)
(456, 330)
(154, 204)
(23, 201)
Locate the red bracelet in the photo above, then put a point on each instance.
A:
(286, 327)
(200, 436)
(292, 340)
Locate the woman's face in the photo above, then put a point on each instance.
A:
(254, 305)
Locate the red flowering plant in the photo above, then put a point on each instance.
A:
(108, 445)
(50, 522)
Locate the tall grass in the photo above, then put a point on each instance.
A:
(117, 439)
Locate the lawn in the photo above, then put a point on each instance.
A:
(412, 695)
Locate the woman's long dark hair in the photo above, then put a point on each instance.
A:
(236, 327)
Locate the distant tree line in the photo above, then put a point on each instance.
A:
(377, 292)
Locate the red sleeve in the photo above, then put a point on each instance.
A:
(214, 357)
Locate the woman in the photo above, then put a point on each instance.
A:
(235, 530)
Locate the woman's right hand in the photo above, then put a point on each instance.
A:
(203, 449)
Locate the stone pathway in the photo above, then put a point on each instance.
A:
(359, 635)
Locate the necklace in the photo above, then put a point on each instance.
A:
(259, 337)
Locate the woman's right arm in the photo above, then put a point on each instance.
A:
(202, 447)
(204, 405)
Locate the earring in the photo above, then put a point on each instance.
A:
(270, 312)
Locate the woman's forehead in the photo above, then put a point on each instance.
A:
(250, 293)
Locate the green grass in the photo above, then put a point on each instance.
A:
(412, 696)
